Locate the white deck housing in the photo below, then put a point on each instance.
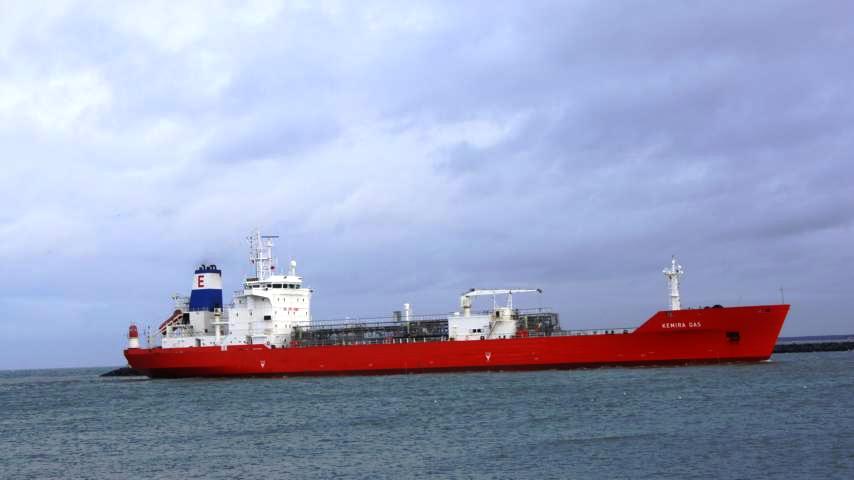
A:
(264, 312)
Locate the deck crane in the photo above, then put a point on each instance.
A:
(465, 299)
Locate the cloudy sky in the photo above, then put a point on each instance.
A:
(407, 151)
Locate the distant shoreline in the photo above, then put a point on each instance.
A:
(805, 347)
(816, 339)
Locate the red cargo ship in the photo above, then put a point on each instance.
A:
(268, 331)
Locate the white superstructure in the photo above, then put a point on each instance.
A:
(265, 311)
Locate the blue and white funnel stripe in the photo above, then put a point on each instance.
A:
(207, 288)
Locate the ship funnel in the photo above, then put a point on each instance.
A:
(207, 288)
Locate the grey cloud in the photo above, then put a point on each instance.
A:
(271, 138)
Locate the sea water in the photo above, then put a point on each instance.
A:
(791, 417)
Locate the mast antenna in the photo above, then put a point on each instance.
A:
(261, 254)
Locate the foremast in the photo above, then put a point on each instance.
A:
(672, 275)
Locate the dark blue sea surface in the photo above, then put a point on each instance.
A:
(792, 417)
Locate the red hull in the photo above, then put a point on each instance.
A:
(735, 334)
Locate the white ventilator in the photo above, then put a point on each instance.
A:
(672, 274)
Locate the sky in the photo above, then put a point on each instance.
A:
(409, 151)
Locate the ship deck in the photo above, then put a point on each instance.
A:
(537, 322)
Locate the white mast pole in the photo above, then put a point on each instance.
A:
(268, 264)
(255, 255)
(672, 274)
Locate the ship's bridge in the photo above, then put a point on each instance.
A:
(270, 305)
(274, 282)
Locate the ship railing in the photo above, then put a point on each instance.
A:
(206, 309)
(182, 331)
(392, 340)
(374, 321)
(382, 328)
(371, 341)
(578, 333)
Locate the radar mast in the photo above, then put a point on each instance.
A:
(261, 254)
